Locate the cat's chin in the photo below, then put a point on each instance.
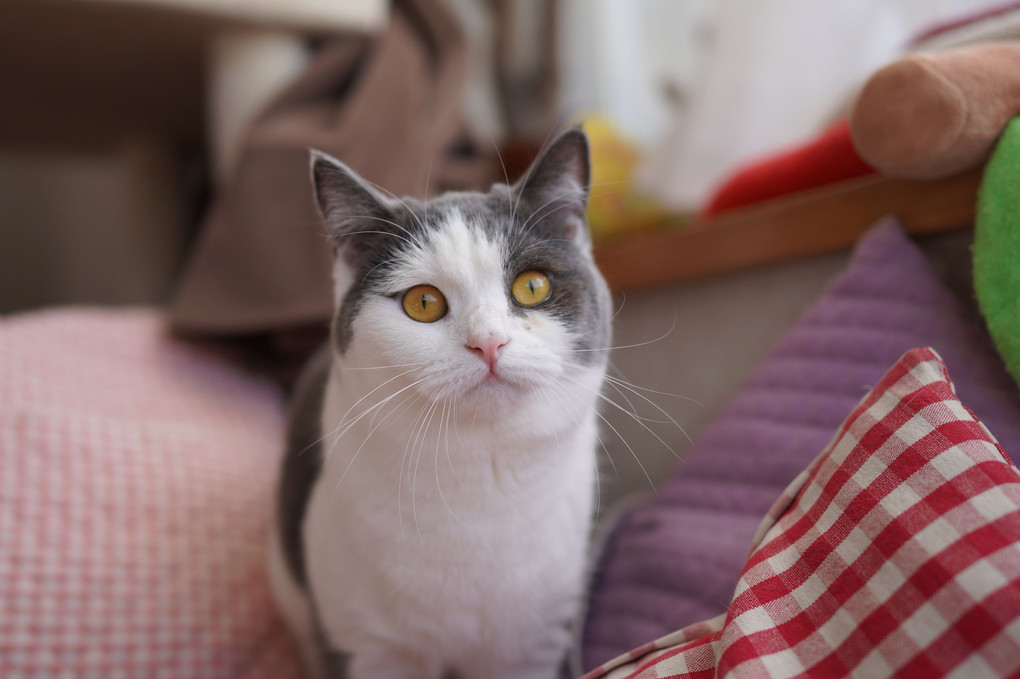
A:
(488, 403)
(496, 395)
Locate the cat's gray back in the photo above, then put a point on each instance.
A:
(302, 461)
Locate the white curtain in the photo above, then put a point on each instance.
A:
(705, 85)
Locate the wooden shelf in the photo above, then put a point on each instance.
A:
(827, 219)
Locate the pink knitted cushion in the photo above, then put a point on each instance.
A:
(136, 480)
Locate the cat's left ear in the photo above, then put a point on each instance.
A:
(349, 205)
(555, 188)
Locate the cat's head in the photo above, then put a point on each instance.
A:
(482, 296)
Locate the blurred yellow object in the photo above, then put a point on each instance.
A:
(614, 208)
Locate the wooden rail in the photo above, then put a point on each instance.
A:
(827, 219)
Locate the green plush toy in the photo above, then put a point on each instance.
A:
(997, 247)
(934, 115)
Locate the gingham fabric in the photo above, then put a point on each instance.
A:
(896, 553)
(136, 480)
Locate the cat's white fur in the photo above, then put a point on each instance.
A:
(448, 528)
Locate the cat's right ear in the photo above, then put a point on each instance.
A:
(349, 205)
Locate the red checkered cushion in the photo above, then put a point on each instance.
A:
(896, 553)
(136, 480)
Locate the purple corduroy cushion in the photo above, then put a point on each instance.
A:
(676, 559)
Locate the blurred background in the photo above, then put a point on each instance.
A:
(119, 117)
(149, 148)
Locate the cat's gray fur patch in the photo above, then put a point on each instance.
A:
(302, 463)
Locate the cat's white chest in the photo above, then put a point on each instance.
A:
(454, 541)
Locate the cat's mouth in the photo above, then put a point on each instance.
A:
(493, 380)
(492, 394)
(504, 380)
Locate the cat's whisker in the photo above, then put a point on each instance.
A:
(633, 346)
(376, 218)
(635, 387)
(598, 437)
(416, 453)
(375, 416)
(445, 420)
(543, 243)
(636, 418)
(526, 178)
(542, 395)
(669, 418)
(385, 191)
(594, 458)
(350, 463)
(459, 440)
(633, 408)
(349, 426)
(543, 147)
(535, 219)
(537, 215)
(616, 386)
(417, 462)
(342, 419)
(428, 177)
(412, 453)
(405, 405)
(411, 236)
(627, 445)
(419, 421)
(385, 367)
(618, 380)
(385, 262)
(369, 231)
(506, 178)
(608, 322)
(619, 384)
(338, 438)
(605, 449)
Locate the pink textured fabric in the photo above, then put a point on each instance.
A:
(136, 477)
(896, 553)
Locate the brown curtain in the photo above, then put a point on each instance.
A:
(388, 106)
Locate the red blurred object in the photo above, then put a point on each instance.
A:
(828, 158)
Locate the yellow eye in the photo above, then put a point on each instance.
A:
(531, 288)
(424, 303)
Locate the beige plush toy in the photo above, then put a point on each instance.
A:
(928, 116)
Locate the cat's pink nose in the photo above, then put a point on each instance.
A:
(488, 348)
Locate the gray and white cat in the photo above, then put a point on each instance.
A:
(437, 494)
